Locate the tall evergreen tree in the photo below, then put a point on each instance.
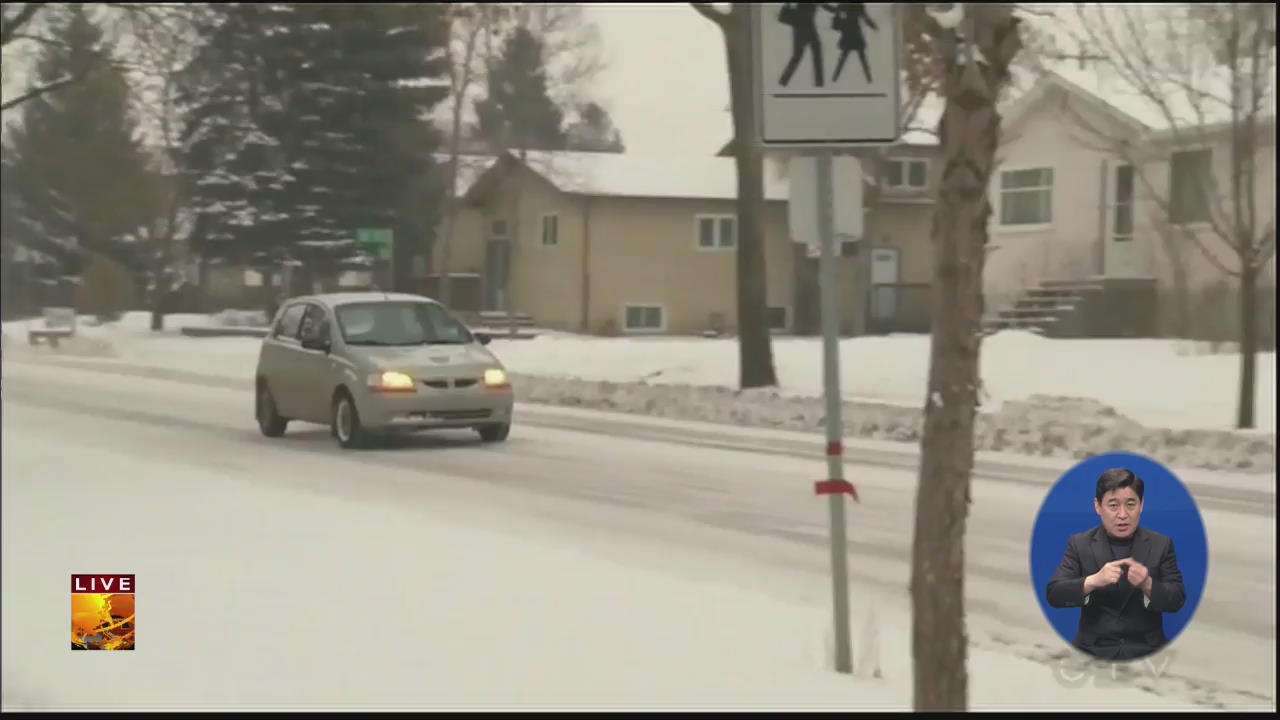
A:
(234, 143)
(308, 123)
(518, 113)
(373, 75)
(74, 165)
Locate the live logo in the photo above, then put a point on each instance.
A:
(102, 583)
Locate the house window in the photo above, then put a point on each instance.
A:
(1026, 197)
(498, 229)
(1122, 216)
(905, 173)
(777, 318)
(1190, 186)
(717, 232)
(643, 318)
(550, 229)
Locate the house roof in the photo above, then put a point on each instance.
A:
(470, 168)
(1052, 81)
(652, 176)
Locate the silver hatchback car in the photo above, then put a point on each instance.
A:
(365, 363)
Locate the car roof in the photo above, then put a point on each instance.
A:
(337, 299)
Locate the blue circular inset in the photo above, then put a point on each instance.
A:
(1167, 508)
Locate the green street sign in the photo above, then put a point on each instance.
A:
(376, 240)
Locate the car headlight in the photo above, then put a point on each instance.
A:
(391, 381)
(495, 377)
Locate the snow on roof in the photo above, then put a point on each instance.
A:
(658, 176)
(470, 168)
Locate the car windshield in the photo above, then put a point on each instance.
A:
(400, 323)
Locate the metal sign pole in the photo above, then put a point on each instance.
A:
(835, 485)
(797, 110)
(388, 252)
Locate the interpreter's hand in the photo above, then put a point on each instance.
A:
(1110, 574)
(1138, 574)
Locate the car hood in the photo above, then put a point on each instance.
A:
(429, 360)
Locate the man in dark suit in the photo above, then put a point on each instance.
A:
(1122, 576)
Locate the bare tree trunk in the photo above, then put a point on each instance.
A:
(513, 327)
(446, 236)
(970, 131)
(451, 200)
(1173, 249)
(271, 295)
(1181, 297)
(755, 346)
(1248, 345)
(807, 317)
(163, 256)
(158, 264)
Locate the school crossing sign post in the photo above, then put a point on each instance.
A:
(827, 80)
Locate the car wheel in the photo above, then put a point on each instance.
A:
(269, 420)
(346, 425)
(494, 433)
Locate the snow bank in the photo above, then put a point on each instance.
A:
(1040, 392)
(240, 318)
(1155, 382)
(1042, 425)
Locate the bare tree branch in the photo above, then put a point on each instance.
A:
(39, 90)
(40, 39)
(710, 13)
(1164, 76)
(470, 23)
(1267, 246)
(1205, 71)
(11, 26)
(571, 47)
(1036, 10)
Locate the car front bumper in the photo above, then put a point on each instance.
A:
(427, 408)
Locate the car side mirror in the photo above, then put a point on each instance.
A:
(315, 343)
(483, 338)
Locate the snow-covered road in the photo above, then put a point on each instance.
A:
(172, 480)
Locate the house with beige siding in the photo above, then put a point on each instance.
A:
(623, 244)
(1097, 227)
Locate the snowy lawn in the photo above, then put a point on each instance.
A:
(1058, 398)
(1158, 383)
(256, 596)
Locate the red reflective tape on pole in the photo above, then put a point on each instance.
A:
(835, 449)
(836, 487)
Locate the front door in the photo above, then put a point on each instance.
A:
(280, 355)
(1121, 255)
(884, 285)
(497, 272)
(312, 368)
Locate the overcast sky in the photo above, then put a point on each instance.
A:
(666, 85)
